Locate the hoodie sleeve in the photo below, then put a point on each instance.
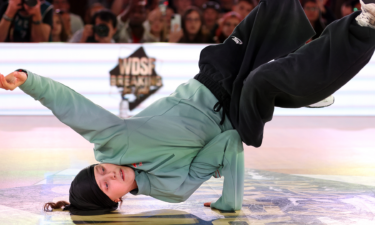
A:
(224, 153)
(232, 168)
(94, 123)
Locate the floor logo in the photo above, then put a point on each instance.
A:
(237, 40)
(136, 76)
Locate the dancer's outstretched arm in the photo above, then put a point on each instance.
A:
(94, 123)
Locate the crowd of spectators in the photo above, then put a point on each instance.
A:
(142, 21)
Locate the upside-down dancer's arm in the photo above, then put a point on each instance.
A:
(232, 169)
(224, 155)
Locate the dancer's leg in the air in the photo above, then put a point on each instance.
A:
(310, 74)
(272, 30)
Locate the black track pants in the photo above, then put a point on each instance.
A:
(310, 74)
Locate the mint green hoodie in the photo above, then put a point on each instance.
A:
(174, 145)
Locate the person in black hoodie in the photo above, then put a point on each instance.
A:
(248, 86)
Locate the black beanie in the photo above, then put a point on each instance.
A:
(85, 196)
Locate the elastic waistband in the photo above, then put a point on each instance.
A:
(211, 78)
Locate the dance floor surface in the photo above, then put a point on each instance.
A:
(309, 170)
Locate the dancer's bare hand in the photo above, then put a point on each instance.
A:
(13, 80)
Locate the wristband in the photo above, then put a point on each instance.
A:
(38, 22)
(7, 18)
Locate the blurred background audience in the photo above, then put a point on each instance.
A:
(211, 15)
(21, 22)
(229, 22)
(192, 30)
(133, 26)
(157, 25)
(244, 7)
(226, 5)
(144, 21)
(59, 31)
(182, 5)
(314, 15)
(102, 28)
(72, 22)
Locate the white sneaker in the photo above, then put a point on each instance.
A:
(367, 16)
(324, 103)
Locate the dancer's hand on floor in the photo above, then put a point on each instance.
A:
(13, 80)
(207, 204)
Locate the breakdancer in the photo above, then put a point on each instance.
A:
(169, 149)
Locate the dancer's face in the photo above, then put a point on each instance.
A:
(114, 180)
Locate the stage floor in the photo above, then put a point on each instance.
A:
(309, 170)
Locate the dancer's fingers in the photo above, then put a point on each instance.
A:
(3, 83)
(21, 77)
(8, 84)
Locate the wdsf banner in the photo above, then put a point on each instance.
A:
(135, 76)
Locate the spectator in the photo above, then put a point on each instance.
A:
(102, 28)
(327, 14)
(59, 33)
(226, 5)
(76, 38)
(78, 8)
(182, 5)
(106, 3)
(244, 7)
(199, 3)
(336, 7)
(211, 13)
(229, 21)
(23, 23)
(96, 7)
(167, 21)
(132, 26)
(72, 22)
(152, 4)
(117, 6)
(192, 28)
(157, 26)
(312, 11)
(348, 7)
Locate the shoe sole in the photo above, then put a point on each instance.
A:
(319, 107)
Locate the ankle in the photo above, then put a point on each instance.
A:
(367, 16)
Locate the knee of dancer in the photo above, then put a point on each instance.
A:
(256, 81)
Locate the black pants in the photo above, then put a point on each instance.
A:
(249, 87)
